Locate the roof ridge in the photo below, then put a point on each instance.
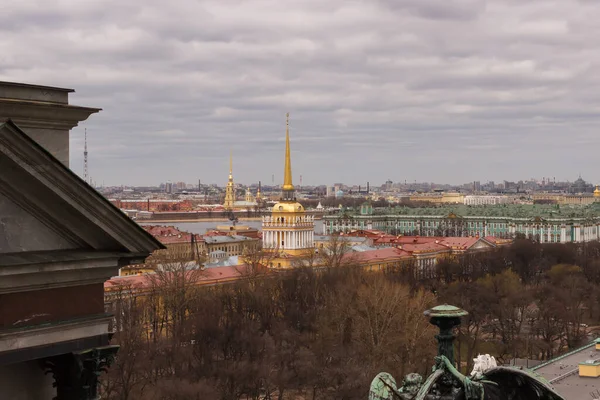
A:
(552, 360)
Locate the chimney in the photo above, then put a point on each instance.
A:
(43, 113)
(590, 368)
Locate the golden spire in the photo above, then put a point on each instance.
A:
(287, 173)
(230, 164)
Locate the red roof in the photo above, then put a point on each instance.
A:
(170, 234)
(424, 247)
(418, 239)
(206, 276)
(421, 243)
(460, 242)
(385, 254)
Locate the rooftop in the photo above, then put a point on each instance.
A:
(32, 86)
(563, 372)
(206, 276)
(170, 234)
(226, 239)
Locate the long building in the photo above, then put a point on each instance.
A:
(545, 223)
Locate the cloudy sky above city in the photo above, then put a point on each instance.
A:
(428, 90)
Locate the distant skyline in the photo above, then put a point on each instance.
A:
(429, 90)
(373, 184)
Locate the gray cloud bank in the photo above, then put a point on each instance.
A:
(427, 90)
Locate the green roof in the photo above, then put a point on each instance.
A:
(544, 211)
(590, 362)
(446, 310)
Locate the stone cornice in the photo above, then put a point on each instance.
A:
(45, 270)
(44, 115)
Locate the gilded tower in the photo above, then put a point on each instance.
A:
(258, 194)
(229, 190)
(249, 198)
(288, 230)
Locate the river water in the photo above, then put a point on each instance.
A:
(201, 227)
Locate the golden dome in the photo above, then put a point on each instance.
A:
(597, 192)
(286, 207)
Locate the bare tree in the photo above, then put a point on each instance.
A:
(127, 378)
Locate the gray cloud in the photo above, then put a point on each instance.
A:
(433, 90)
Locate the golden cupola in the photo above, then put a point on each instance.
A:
(597, 192)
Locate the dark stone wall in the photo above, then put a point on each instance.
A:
(36, 307)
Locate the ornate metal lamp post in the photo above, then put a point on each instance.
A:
(448, 383)
(446, 318)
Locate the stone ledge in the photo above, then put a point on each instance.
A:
(52, 333)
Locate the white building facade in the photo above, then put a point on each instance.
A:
(474, 200)
(294, 233)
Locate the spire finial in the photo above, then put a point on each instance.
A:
(230, 166)
(287, 173)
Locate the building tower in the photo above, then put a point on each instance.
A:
(229, 190)
(258, 195)
(85, 163)
(288, 230)
(249, 198)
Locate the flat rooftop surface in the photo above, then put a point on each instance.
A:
(563, 373)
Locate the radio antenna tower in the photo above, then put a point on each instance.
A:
(85, 164)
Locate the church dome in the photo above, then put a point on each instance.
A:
(597, 192)
(285, 207)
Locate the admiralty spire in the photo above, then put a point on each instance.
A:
(288, 231)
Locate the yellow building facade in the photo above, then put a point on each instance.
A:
(288, 233)
(439, 198)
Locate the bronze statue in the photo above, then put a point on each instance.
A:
(486, 382)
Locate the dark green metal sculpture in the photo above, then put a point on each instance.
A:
(76, 374)
(487, 381)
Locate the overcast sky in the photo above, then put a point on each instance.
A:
(428, 90)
